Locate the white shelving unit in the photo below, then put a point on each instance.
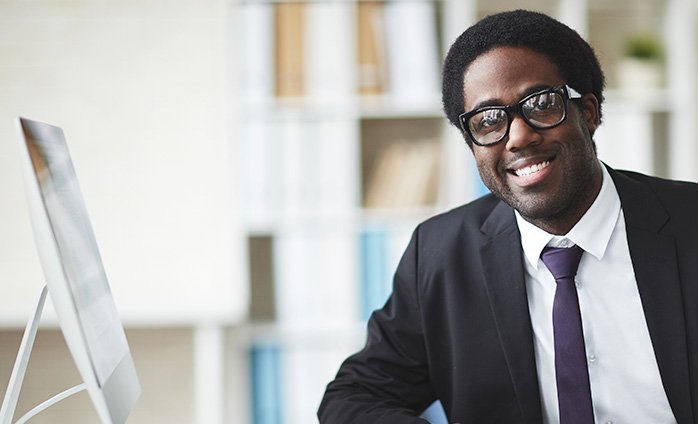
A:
(309, 159)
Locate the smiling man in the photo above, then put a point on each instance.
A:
(544, 163)
(569, 294)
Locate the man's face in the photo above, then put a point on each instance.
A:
(550, 176)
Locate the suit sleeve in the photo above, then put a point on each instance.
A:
(388, 380)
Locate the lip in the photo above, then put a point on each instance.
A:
(540, 169)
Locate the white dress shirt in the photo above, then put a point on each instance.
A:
(625, 383)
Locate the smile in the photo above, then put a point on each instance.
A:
(528, 170)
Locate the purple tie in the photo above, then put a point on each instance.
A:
(571, 373)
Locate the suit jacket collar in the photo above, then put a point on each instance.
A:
(655, 261)
(506, 290)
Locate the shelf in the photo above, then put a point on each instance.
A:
(645, 100)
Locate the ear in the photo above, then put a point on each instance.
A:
(590, 112)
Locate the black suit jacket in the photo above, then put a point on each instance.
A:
(457, 327)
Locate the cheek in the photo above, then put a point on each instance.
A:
(585, 130)
(580, 141)
(487, 168)
(487, 163)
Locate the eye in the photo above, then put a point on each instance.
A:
(542, 103)
(488, 120)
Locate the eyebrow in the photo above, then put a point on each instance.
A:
(526, 92)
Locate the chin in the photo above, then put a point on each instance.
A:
(535, 208)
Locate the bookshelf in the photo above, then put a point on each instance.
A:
(343, 150)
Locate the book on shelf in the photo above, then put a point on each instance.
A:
(292, 172)
(381, 249)
(289, 30)
(318, 167)
(307, 370)
(371, 48)
(266, 383)
(396, 49)
(255, 41)
(262, 301)
(289, 375)
(260, 162)
(405, 175)
(329, 68)
(335, 170)
(374, 271)
(412, 51)
(459, 172)
(316, 277)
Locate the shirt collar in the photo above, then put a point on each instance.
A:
(592, 233)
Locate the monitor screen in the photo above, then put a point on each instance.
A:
(75, 275)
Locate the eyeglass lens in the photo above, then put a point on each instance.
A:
(542, 110)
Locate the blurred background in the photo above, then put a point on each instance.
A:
(254, 169)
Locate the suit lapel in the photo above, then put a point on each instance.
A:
(506, 289)
(654, 259)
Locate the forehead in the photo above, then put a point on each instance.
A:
(504, 74)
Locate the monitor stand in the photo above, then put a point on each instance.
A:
(9, 403)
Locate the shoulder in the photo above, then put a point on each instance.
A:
(665, 189)
(648, 199)
(465, 223)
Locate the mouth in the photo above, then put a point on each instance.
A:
(530, 169)
(531, 172)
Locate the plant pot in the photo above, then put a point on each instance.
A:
(639, 74)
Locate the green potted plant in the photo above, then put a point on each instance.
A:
(641, 66)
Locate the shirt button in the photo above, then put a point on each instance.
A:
(592, 358)
(609, 422)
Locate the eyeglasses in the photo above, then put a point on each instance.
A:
(541, 110)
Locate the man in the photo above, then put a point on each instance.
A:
(476, 318)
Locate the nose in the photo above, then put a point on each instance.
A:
(521, 134)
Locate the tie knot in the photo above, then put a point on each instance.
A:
(562, 262)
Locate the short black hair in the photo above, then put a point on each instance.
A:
(568, 51)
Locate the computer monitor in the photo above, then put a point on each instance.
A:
(75, 276)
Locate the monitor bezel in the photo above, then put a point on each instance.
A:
(115, 397)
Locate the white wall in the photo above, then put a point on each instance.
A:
(141, 89)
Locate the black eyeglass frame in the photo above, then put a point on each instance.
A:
(568, 93)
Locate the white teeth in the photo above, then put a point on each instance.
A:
(531, 169)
